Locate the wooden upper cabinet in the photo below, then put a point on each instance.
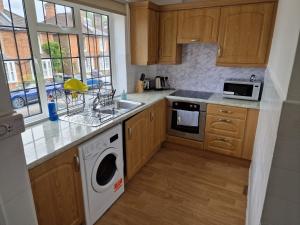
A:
(169, 50)
(144, 23)
(57, 192)
(245, 34)
(198, 25)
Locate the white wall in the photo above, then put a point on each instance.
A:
(16, 202)
(277, 80)
(118, 51)
(284, 44)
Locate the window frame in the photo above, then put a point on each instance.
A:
(34, 28)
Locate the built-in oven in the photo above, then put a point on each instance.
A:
(187, 119)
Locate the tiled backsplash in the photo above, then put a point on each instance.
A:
(198, 70)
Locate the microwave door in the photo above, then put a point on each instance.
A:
(238, 89)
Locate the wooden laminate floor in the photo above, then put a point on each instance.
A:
(179, 187)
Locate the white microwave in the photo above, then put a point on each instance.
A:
(243, 89)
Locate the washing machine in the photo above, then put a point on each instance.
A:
(102, 173)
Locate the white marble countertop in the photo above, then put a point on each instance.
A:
(47, 139)
(217, 98)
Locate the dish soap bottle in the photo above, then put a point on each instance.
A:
(124, 95)
(52, 109)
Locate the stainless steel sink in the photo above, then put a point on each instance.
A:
(127, 105)
(94, 118)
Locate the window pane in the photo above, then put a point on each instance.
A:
(65, 45)
(17, 11)
(83, 21)
(98, 24)
(17, 60)
(91, 23)
(39, 11)
(61, 15)
(96, 47)
(49, 13)
(69, 13)
(23, 44)
(55, 14)
(6, 21)
(105, 25)
(60, 62)
(105, 46)
(74, 46)
(76, 68)
(8, 44)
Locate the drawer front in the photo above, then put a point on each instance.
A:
(228, 111)
(223, 145)
(225, 126)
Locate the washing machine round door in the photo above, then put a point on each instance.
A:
(105, 170)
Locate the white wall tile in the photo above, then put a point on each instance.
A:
(199, 72)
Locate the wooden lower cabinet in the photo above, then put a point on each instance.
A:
(223, 145)
(136, 142)
(144, 133)
(230, 130)
(57, 191)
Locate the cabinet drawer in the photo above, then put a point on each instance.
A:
(223, 145)
(228, 111)
(225, 126)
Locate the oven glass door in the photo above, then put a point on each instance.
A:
(185, 121)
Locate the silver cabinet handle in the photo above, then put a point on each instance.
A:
(222, 139)
(130, 132)
(225, 120)
(77, 163)
(194, 40)
(219, 51)
(225, 111)
(151, 116)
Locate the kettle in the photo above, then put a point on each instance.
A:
(158, 85)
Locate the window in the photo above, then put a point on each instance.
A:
(96, 49)
(63, 50)
(11, 73)
(17, 57)
(55, 14)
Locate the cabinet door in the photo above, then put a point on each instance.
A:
(198, 25)
(136, 138)
(250, 132)
(223, 145)
(154, 128)
(57, 192)
(169, 51)
(162, 106)
(153, 23)
(144, 24)
(245, 34)
(228, 127)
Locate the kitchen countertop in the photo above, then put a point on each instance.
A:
(217, 98)
(48, 139)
